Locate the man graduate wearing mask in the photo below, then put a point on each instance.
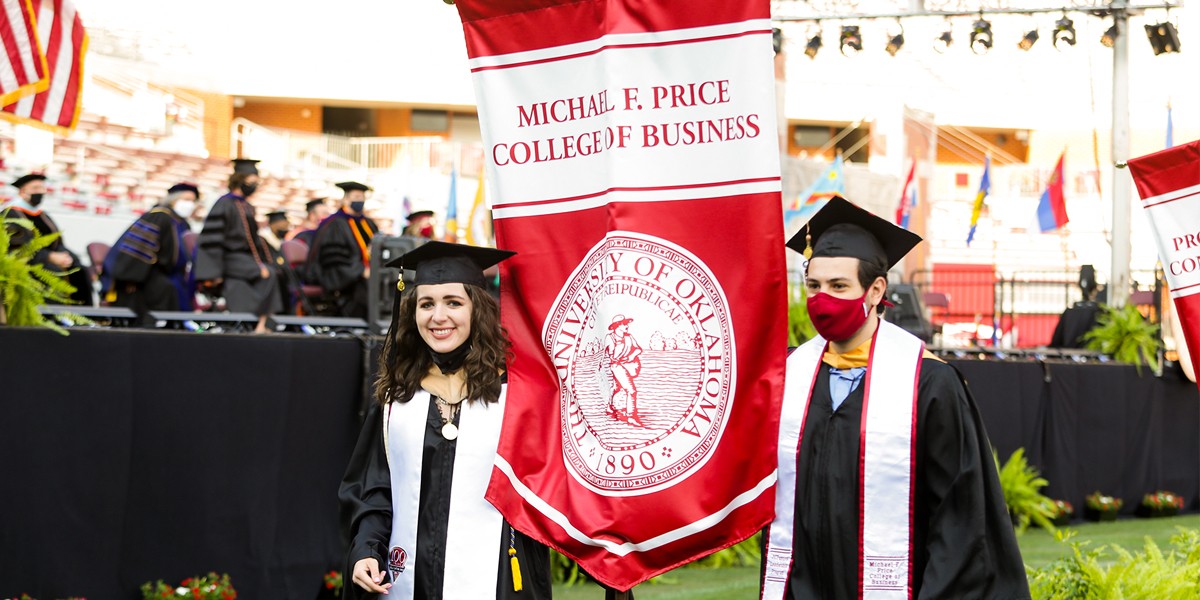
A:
(231, 256)
(887, 486)
(147, 268)
(31, 189)
(341, 253)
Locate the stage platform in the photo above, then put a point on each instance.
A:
(132, 455)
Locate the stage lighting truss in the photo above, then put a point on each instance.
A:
(850, 41)
(895, 41)
(1028, 40)
(943, 41)
(1064, 31)
(1109, 38)
(814, 42)
(981, 36)
(1164, 38)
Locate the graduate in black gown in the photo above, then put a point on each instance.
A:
(412, 498)
(147, 268)
(56, 258)
(340, 255)
(230, 255)
(945, 501)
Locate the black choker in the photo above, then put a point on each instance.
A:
(449, 362)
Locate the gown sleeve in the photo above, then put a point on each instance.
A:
(365, 496)
(971, 549)
(337, 256)
(210, 245)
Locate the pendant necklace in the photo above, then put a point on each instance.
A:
(449, 429)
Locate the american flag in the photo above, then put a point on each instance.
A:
(23, 70)
(64, 43)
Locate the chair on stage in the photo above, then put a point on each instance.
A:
(97, 252)
(295, 252)
(939, 308)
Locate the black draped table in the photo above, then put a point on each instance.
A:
(128, 456)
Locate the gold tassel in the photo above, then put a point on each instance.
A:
(516, 569)
(807, 243)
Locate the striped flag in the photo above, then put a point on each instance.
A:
(985, 186)
(908, 198)
(23, 70)
(1052, 207)
(477, 209)
(452, 208)
(64, 43)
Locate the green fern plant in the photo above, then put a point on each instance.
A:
(1123, 334)
(25, 286)
(1112, 572)
(800, 327)
(1022, 485)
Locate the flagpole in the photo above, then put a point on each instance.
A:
(1121, 187)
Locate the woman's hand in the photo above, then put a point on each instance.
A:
(367, 576)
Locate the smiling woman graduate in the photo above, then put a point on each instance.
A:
(413, 495)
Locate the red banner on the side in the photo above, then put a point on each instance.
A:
(633, 152)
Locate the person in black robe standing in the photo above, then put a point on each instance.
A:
(230, 255)
(340, 258)
(412, 498)
(56, 258)
(959, 537)
(147, 268)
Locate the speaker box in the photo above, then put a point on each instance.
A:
(908, 314)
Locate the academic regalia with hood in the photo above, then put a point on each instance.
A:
(338, 258)
(961, 542)
(377, 514)
(147, 268)
(20, 209)
(230, 248)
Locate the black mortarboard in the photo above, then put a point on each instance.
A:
(278, 215)
(413, 216)
(245, 166)
(24, 179)
(314, 203)
(350, 186)
(443, 262)
(843, 229)
(184, 187)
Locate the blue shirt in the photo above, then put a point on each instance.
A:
(842, 382)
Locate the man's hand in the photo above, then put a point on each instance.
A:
(61, 260)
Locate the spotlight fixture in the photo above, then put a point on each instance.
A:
(851, 39)
(1064, 31)
(814, 44)
(1163, 37)
(942, 43)
(981, 36)
(1110, 36)
(895, 42)
(1029, 40)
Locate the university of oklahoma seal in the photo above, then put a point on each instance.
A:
(641, 340)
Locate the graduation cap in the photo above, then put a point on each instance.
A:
(24, 179)
(350, 186)
(413, 216)
(443, 262)
(312, 205)
(245, 166)
(843, 229)
(184, 187)
(278, 215)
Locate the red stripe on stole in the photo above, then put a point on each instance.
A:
(912, 469)
(862, 455)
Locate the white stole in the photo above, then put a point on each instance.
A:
(886, 457)
(473, 532)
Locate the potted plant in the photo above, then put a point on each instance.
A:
(24, 285)
(209, 587)
(1099, 507)
(1126, 336)
(332, 587)
(1160, 504)
(1022, 483)
(1061, 513)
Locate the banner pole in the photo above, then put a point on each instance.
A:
(1121, 187)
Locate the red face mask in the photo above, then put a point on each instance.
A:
(427, 231)
(837, 319)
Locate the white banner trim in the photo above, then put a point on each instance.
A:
(691, 192)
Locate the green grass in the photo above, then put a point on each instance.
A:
(1037, 548)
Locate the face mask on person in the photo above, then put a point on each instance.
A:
(184, 208)
(837, 319)
(35, 199)
(358, 206)
(427, 231)
(248, 189)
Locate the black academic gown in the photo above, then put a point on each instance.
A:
(337, 260)
(229, 248)
(147, 268)
(1073, 324)
(80, 279)
(963, 541)
(366, 501)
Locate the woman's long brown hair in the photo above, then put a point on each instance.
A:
(405, 358)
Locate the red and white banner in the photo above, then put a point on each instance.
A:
(632, 149)
(64, 42)
(23, 67)
(1169, 185)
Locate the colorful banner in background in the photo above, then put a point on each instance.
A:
(634, 164)
(831, 183)
(985, 187)
(1168, 182)
(1052, 206)
(64, 41)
